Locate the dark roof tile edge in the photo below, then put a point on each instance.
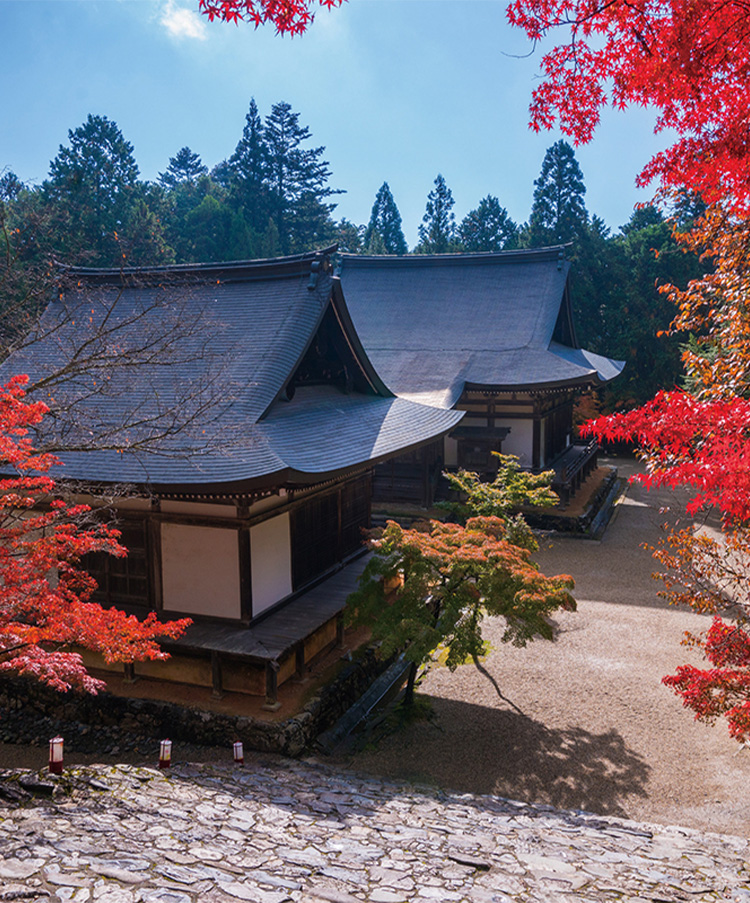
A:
(233, 270)
(525, 255)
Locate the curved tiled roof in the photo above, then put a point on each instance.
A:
(432, 325)
(225, 339)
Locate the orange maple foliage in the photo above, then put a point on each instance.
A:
(715, 310)
(449, 577)
(44, 592)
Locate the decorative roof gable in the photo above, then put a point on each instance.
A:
(433, 325)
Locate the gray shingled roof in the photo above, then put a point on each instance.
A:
(433, 324)
(238, 334)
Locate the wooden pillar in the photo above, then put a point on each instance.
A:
(340, 630)
(216, 678)
(339, 525)
(153, 551)
(272, 703)
(536, 458)
(299, 660)
(246, 576)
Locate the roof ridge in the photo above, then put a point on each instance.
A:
(224, 271)
(517, 255)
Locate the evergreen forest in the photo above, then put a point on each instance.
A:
(273, 196)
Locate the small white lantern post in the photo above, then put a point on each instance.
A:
(165, 754)
(56, 755)
(239, 753)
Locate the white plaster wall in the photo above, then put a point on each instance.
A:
(270, 562)
(451, 452)
(199, 509)
(268, 504)
(200, 570)
(519, 440)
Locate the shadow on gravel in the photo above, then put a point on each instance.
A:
(475, 749)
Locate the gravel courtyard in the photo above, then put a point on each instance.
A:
(596, 728)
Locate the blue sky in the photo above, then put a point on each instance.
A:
(396, 90)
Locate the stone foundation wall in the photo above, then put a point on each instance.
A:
(31, 713)
(582, 523)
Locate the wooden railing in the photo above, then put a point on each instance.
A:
(577, 462)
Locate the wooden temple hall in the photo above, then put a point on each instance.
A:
(246, 447)
(240, 416)
(488, 334)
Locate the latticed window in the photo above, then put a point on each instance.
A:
(122, 581)
(327, 528)
(315, 527)
(355, 514)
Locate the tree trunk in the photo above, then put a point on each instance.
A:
(409, 694)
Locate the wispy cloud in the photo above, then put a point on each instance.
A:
(181, 22)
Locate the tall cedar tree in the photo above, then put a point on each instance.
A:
(488, 228)
(558, 212)
(438, 230)
(297, 179)
(385, 234)
(44, 609)
(249, 168)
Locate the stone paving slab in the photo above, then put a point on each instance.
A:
(282, 830)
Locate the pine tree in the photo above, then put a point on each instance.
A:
(92, 193)
(10, 186)
(438, 229)
(488, 228)
(384, 231)
(184, 167)
(558, 213)
(349, 236)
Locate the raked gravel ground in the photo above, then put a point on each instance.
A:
(596, 729)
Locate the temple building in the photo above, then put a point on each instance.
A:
(488, 334)
(232, 418)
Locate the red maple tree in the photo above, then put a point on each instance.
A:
(700, 438)
(690, 59)
(289, 16)
(45, 612)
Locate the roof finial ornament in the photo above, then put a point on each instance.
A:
(560, 258)
(314, 271)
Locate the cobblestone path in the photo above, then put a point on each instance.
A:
(280, 830)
